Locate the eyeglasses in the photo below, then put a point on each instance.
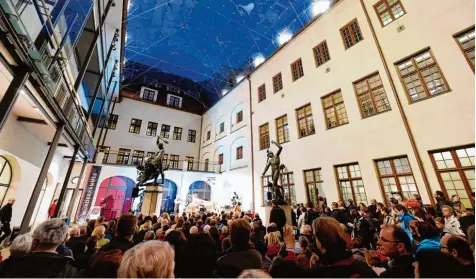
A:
(389, 241)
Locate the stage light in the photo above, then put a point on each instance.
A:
(239, 78)
(258, 59)
(224, 92)
(319, 6)
(127, 37)
(284, 36)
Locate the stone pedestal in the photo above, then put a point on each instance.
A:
(287, 210)
(152, 200)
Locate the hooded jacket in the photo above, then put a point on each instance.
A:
(405, 219)
(429, 244)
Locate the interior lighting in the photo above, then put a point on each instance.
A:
(239, 78)
(319, 6)
(22, 92)
(224, 92)
(258, 59)
(284, 36)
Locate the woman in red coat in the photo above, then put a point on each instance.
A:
(52, 209)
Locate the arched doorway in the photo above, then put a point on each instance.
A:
(200, 189)
(168, 196)
(115, 196)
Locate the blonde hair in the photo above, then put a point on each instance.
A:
(151, 259)
(99, 232)
(147, 226)
(273, 239)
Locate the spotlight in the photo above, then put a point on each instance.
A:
(284, 36)
(258, 59)
(319, 6)
(239, 78)
(224, 92)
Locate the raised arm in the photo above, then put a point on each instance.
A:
(266, 168)
(161, 139)
(280, 148)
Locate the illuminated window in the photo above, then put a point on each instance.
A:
(282, 129)
(371, 96)
(135, 126)
(389, 10)
(264, 136)
(334, 109)
(305, 121)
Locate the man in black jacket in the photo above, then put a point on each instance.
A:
(395, 244)
(440, 202)
(339, 214)
(277, 216)
(43, 261)
(6, 217)
(75, 243)
(310, 214)
(125, 230)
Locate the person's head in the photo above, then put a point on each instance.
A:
(154, 259)
(150, 235)
(92, 242)
(385, 211)
(417, 197)
(225, 244)
(303, 242)
(357, 243)
(104, 264)
(394, 242)
(224, 230)
(426, 230)
(269, 153)
(200, 256)
(99, 221)
(341, 204)
(458, 247)
(274, 203)
(21, 245)
(206, 229)
(380, 206)
(11, 201)
(126, 226)
(199, 222)
(74, 232)
(439, 223)
(330, 237)
(435, 264)
(55, 201)
(83, 230)
(240, 233)
(439, 195)
(273, 239)
(373, 201)
(49, 235)
(166, 216)
(99, 232)
(306, 230)
(399, 209)
(147, 226)
(194, 230)
(334, 205)
(447, 211)
(254, 273)
(309, 205)
(372, 259)
(455, 198)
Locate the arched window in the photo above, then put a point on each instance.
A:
(168, 196)
(201, 189)
(5, 177)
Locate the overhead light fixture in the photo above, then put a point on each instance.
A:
(319, 6)
(22, 92)
(75, 180)
(239, 78)
(258, 59)
(36, 109)
(284, 36)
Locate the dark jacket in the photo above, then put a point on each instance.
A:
(77, 246)
(233, 263)
(400, 268)
(277, 216)
(373, 210)
(6, 213)
(139, 237)
(40, 264)
(118, 243)
(465, 222)
(340, 215)
(439, 204)
(82, 261)
(293, 218)
(310, 215)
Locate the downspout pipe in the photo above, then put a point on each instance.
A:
(252, 148)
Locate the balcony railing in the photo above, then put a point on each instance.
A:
(112, 157)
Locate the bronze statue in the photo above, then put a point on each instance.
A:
(274, 162)
(153, 167)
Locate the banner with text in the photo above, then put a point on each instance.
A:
(89, 191)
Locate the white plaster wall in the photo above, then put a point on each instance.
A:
(128, 109)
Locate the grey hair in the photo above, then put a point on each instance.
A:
(254, 273)
(149, 234)
(193, 230)
(224, 229)
(51, 232)
(74, 232)
(21, 245)
(151, 259)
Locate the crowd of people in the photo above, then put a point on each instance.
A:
(404, 240)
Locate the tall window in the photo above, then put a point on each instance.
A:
(287, 181)
(296, 69)
(239, 117)
(165, 160)
(123, 156)
(455, 169)
(277, 82)
(174, 101)
(112, 121)
(396, 176)
(208, 135)
(282, 129)
(189, 163)
(313, 181)
(165, 131)
(466, 43)
(206, 164)
(137, 157)
(389, 10)
(371, 95)
(421, 76)
(135, 126)
(321, 54)
(174, 161)
(334, 109)
(261, 93)
(351, 34)
(220, 159)
(106, 150)
(239, 153)
(264, 136)
(148, 94)
(151, 129)
(192, 135)
(177, 133)
(305, 121)
(5, 177)
(222, 127)
(351, 185)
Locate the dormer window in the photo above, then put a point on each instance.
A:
(174, 101)
(148, 94)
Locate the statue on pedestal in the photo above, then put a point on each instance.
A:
(153, 166)
(274, 162)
